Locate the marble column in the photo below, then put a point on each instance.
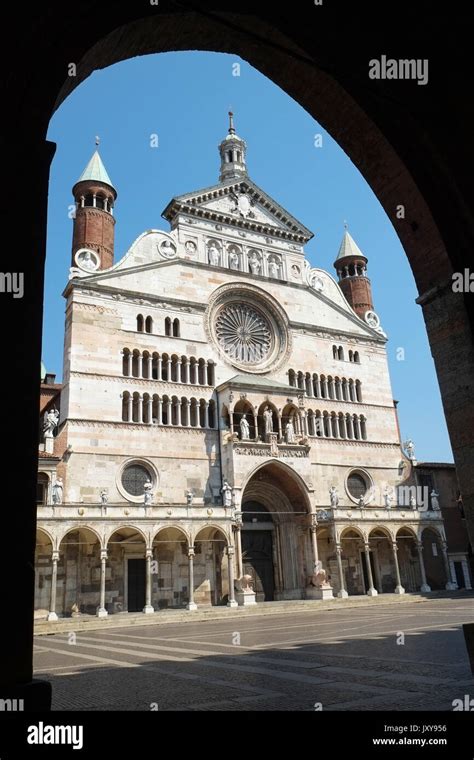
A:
(424, 586)
(140, 408)
(238, 546)
(314, 546)
(372, 591)
(450, 584)
(160, 368)
(160, 411)
(231, 421)
(101, 611)
(255, 422)
(178, 371)
(342, 594)
(399, 588)
(169, 363)
(148, 606)
(52, 617)
(206, 415)
(140, 365)
(186, 371)
(465, 572)
(130, 408)
(188, 412)
(150, 410)
(129, 364)
(150, 366)
(230, 556)
(191, 605)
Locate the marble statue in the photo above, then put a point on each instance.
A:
(214, 255)
(434, 500)
(387, 497)
(273, 268)
(410, 449)
(104, 496)
(289, 432)
(226, 494)
(413, 504)
(254, 264)
(361, 502)
(50, 422)
(319, 579)
(189, 497)
(58, 491)
(334, 496)
(244, 428)
(268, 420)
(148, 492)
(86, 261)
(233, 260)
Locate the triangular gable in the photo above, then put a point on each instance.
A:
(238, 201)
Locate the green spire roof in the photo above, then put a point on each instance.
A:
(349, 248)
(95, 170)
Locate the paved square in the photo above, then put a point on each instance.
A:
(394, 657)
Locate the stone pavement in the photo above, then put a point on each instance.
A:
(385, 657)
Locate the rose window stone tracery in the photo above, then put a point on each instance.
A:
(243, 333)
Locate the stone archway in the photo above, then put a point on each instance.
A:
(276, 544)
(44, 568)
(170, 583)
(78, 573)
(211, 567)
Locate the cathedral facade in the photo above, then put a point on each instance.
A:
(226, 419)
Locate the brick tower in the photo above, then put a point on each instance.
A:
(94, 222)
(351, 268)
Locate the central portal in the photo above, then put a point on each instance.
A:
(257, 550)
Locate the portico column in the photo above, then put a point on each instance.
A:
(178, 413)
(356, 428)
(255, 423)
(372, 591)
(160, 411)
(140, 365)
(399, 588)
(279, 427)
(150, 410)
(188, 412)
(314, 545)
(206, 414)
(148, 608)
(54, 577)
(204, 373)
(424, 586)
(317, 387)
(169, 368)
(130, 408)
(186, 371)
(168, 410)
(230, 556)
(140, 408)
(150, 367)
(465, 572)
(178, 371)
(238, 546)
(129, 364)
(101, 611)
(159, 367)
(450, 584)
(342, 594)
(231, 421)
(191, 605)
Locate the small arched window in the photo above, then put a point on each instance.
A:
(168, 326)
(176, 331)
(356, 357)
(140, 323)
(340, 353)
(149, 325)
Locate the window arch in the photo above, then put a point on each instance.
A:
(168, 329)
(340, 353)
(176, 328)
(149, 325)
(140, 323)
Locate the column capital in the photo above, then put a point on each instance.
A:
(230, 551)
(191, 551)
(103, 553)
(394, 546)
(148, 553)
(55, 556)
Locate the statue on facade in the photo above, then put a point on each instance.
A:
(334, 496)
(226, 494)
(104, 497)
(319, 578)
(58, 491)
(268, 420)
(409, 447)
(254, 264)
(148, 492)
(233, 260)
(189, 497)
(273, 268)
(434, 500)
(50, 422)
(86, 261)
(214, 255)
(244, 428)
(361, 502)
(413, 504)
(289, 432)
(387, 497)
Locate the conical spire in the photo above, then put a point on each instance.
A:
(232, 151)
(349, 247)
(351, 268)
(96, 171)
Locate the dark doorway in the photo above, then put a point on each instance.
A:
(459, 575)
(136, 585)
(363, 559)
(258, 562)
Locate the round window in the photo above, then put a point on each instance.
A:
(356, 485)
(134, 478)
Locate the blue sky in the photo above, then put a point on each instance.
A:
(184, 99)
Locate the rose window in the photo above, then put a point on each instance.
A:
(243, 333)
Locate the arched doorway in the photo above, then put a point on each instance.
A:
(276, 542)
(170, 585)
(126, 560)
(409, 560)
(78, 573)
(211, 567)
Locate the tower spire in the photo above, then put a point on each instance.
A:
(351, 268)
(231, 123)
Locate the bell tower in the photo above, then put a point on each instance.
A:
(94, 222)
(351, 268)
(232, 152)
